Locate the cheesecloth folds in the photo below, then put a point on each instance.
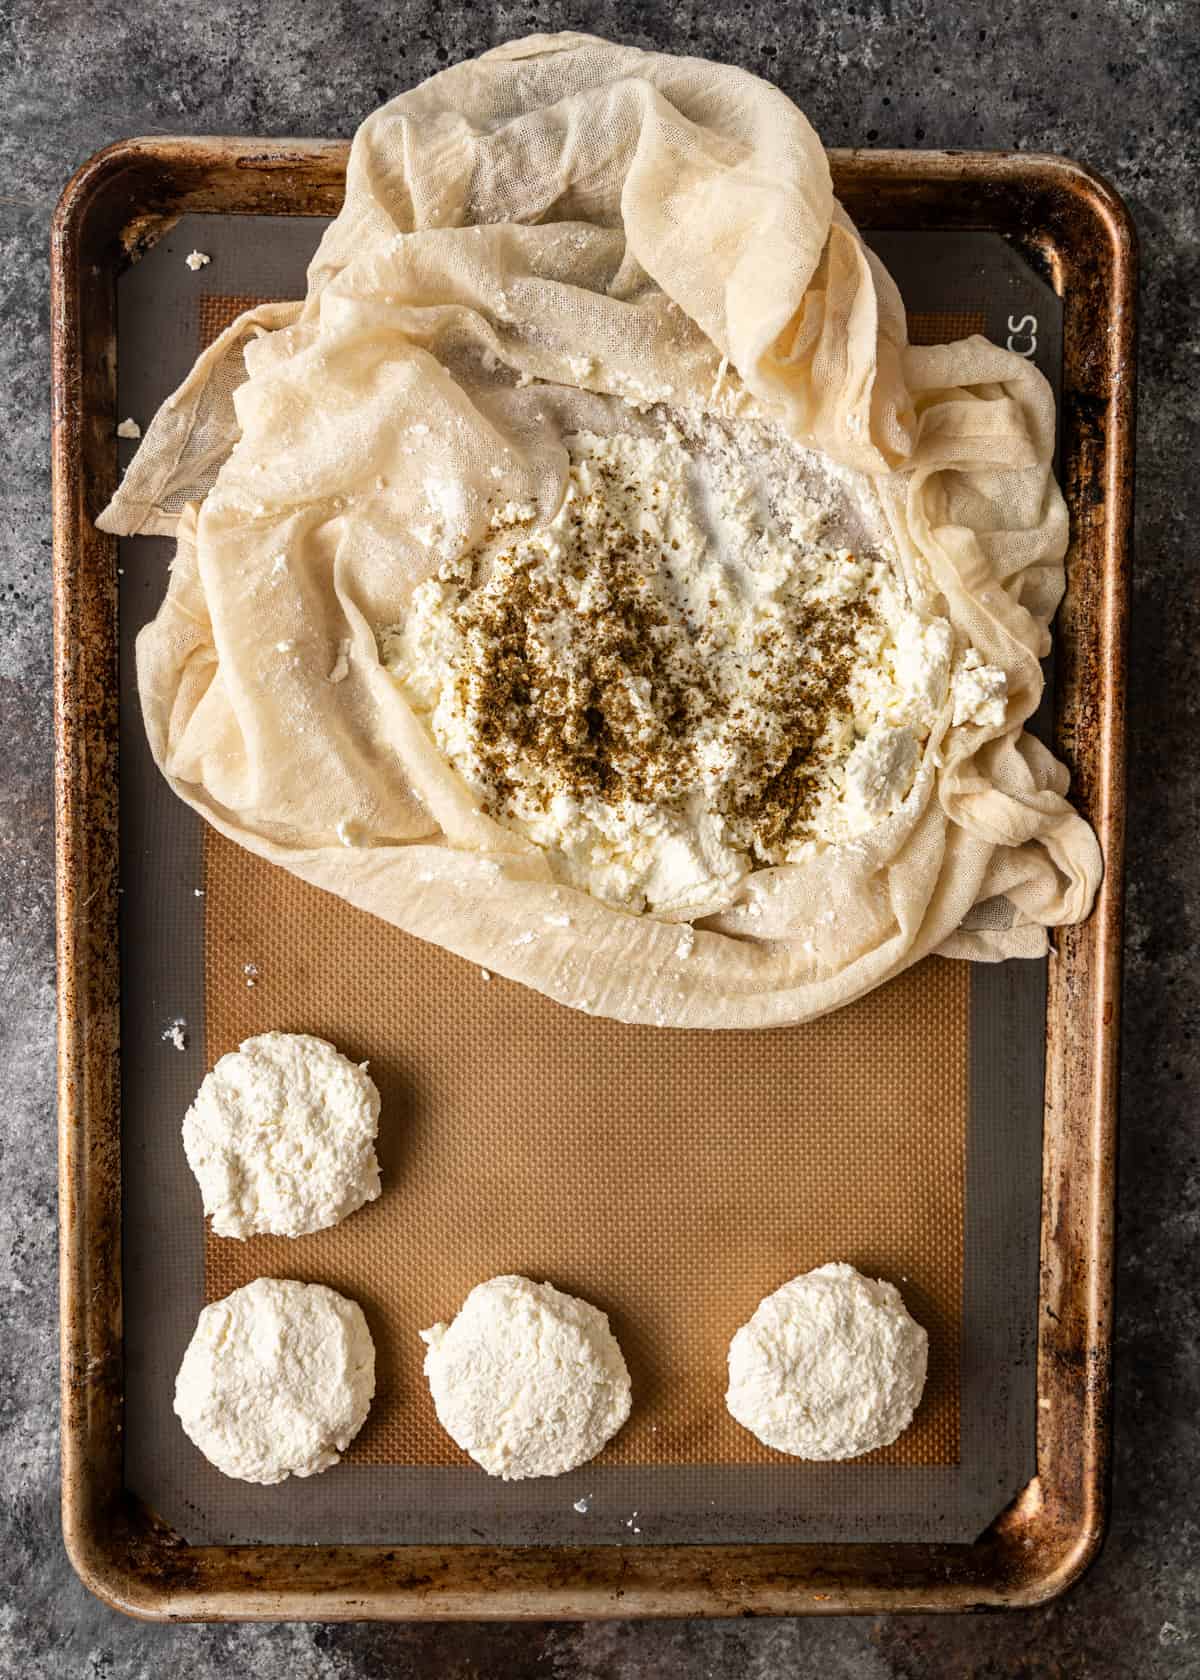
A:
(544, 239)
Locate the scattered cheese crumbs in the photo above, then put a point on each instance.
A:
(284, 647)
(197, 892)
(687, 938)
(197, 259)
(250, 970)
(341, 667)
(175, 1033)
(484, 974)
(524, 939)
(582, 1506)
(557, 921)
(129, 429)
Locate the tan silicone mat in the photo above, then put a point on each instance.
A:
(673, 1178)
(931, 326)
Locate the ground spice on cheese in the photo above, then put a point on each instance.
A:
(618, 713)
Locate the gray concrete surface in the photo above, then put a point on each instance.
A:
(1115, 83)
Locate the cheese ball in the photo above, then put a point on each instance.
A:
(277, 1380)
(281, 1137)
(527, 1380)
(830, 1366)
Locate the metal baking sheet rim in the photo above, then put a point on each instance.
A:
(1073, 225)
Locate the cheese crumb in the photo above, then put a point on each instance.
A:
(196, 260)
(175, 1033)
(129, 429)
(980, 692)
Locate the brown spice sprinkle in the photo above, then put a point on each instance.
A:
(617, 707)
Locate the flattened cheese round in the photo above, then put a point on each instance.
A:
(281, 1137)
(277, 1380)
(830, 1366)
(527, 1380)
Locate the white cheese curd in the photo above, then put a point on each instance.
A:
(695, 668)
(281, 1137)
(880, 769)
(980, 692)
(277, 1380)
(527, 1380)
(830, 1366)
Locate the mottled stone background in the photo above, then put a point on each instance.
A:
(1115, 83)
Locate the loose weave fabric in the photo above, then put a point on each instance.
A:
(549, 237)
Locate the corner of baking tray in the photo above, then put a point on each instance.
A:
(127, 1558)
(133, 190)
(1041, 1549)
(90, 180)
(1085, 183)
(1068, 188)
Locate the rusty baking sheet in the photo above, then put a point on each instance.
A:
(1077, 233)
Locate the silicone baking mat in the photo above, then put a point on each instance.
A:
(673, 1178)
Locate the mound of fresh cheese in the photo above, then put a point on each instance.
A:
(281, 1137)
(685, 673)
(527, 1380)
(277, 1380)
(830, 1366)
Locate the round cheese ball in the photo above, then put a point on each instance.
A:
(830, 1366)
(281, 1137)
(527, 1380)
(277, 1380)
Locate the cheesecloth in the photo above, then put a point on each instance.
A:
(550, 233)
